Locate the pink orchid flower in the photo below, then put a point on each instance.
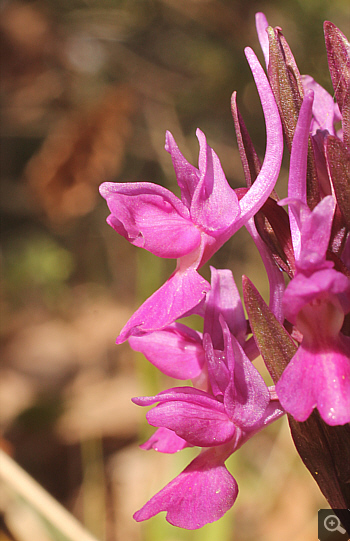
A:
(194, 228)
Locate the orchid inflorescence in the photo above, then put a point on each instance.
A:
(303, 335)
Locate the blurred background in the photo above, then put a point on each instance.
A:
(88, 89)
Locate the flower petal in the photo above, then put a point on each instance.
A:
(151, 217)
(303, 289)
(261, 24)
(183, 394)
(176, 350)
(298, 163)
(165, 441)
(224, 299)
(182, 292)
(186, 174)
(325, 112)
(247, 396)
(218, 372)
(318, 379)
(214, 204)
(266, 180)
(315, 233)
(201, 494)
(199, 425)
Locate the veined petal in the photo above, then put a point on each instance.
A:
(214, 204)
(315, 234)
(265, 181)
(218, 372)
(183, 394)
(176, 350)
(312, 232)
(304, 289)
(318, 379)
(182, 292)
(186, 174)
(325, 112)
(273, 411)
(261, 24)
(298, 163)
(247, 396)
(151, 217)
(165, 441)
(224, 299)
(201, 494)
(199, 425)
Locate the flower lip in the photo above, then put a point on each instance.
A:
(201, 494)
(318, 378)
(303, 289)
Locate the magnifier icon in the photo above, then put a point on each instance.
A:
(332, 524)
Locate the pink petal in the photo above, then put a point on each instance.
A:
(165, 441)
(311, 231)
(218, 372)
(303, 289)
(183, 394)
(224, 299)
(298, 163)
(201, 494)
(318, 379)
(186, 174)
(151, 217)
(199, 425)
(176, 350)
(212, 193)
(247, 396)
(261, 24)
(186, 289)
(324, 110)
(315, 234)
(265, 181)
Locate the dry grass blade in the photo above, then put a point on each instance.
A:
(27, 488)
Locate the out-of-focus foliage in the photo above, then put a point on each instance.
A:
(88, 89)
